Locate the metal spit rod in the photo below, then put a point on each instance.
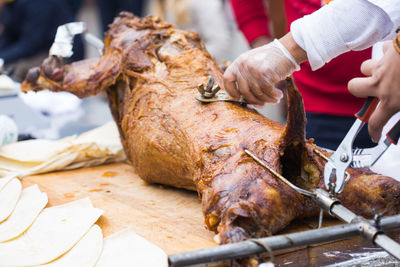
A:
(329, 203)
(357, 226)
(368, 230)
(278, 242)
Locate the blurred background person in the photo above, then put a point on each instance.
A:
(329, 106)
(209, 18)
(109, 9)
(27, 31)
(32, 24)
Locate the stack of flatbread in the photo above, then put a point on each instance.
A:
(65, 235)
(8, 86)
(98, 146)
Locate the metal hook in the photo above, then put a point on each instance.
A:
(267, 249)
(283, 179)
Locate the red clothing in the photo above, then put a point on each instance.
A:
(324, 90)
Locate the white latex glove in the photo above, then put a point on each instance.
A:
(254, 73)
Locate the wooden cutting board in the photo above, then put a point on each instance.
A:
(169, 217)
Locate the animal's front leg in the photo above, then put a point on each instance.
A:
(82, 78)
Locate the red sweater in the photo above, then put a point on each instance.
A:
(324, 90)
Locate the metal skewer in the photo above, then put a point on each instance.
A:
(329, 203)
(276, 243)
(357, 226)
(283, 179)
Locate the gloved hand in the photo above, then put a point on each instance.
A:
(255, 73)
(383, 82)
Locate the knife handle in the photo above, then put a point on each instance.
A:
(394, 134)
(369, 106)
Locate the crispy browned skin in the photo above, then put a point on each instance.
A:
(150, 72)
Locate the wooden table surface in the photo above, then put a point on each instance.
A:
(170, 218)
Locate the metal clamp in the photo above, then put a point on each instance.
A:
(210, 90)
(211, 93)
(368, 230)
(325, 200)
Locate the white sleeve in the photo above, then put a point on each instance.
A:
(344, 25)
(392, 8)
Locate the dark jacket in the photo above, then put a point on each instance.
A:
(29, 27)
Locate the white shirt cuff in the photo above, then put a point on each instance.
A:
(339, 27)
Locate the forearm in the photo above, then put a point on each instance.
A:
(331, 31)
(298, 53)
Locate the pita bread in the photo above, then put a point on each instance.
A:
(30, 204)
(9, 196)
(40, 156)
(5, 180)
(126, 248)
(55, 231)
(34, 151)
(85, 253)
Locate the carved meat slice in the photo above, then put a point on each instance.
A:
(150, 72)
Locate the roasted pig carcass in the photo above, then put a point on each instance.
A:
(150, 72)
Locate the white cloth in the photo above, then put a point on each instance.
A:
(389, 163)
(209, 20)
(345, 25)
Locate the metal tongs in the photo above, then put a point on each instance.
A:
(345, 156)
(63, 42)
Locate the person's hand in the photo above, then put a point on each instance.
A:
(383, 82)
(255, 73)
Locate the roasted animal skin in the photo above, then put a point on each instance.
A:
(150, 72)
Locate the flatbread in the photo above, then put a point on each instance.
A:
(85, 253)
(95, 147)
(30, 204)
(6, 83)
(23, 169)
(106, 138)
(5, 180)
(55, 231)
(9, 196)
(126, 248)
(34, 151)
